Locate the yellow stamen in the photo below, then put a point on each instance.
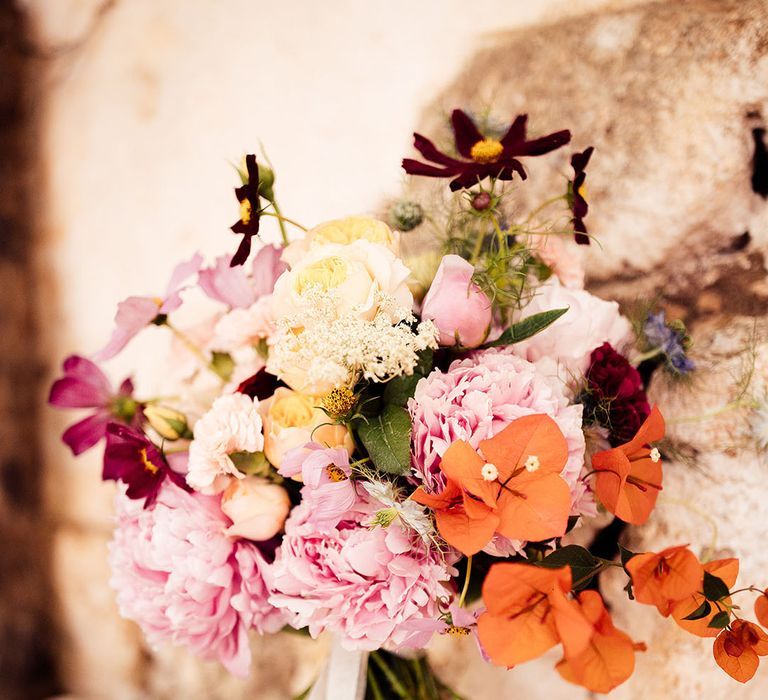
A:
(455, 631)
(582, 192)
(151, 468)
(486, 151)
(336, 473)
(245, 211)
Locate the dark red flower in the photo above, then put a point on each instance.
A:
(576, 198)
(615, 397)
(484, 157)
(260, 385)
(250, 211)
(131, 458)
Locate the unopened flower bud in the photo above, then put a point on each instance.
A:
(406, 215)
(339, 402)
(266, 182)
(167, 422)
(481, 201)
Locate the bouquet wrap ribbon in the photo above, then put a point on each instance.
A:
(344, 676)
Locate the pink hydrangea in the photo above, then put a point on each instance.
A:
(185, 582)
(364, 585)
(479, 396)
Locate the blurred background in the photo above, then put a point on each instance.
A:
(119, 124)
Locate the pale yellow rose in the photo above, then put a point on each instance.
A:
(256, 507)
(343, 232)
(356, 273)
(292, 419)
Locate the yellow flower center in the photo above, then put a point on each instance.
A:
(151, 468)
(336, 473)
(455, 631)
(338, 402)
(292, 411)
(486, 151)
(327, 273)
(582, 192)
(245, 212)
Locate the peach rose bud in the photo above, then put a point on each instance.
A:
(459, 308)
(256, 507)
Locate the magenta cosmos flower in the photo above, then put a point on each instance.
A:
(187, 583)
(84, 385)
(131, 458)
(136, 313)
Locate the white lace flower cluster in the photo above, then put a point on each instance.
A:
(317, 349)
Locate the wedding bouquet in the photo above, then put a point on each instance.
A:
(388, 446)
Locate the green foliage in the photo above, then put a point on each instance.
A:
(584, 565)
(223, 364)
(527, 327)
(702, 611)
(250, 463)
(387, 438)
(398, 390)
(720, 621)
(714, 587)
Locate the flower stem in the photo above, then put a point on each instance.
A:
(373, 684)
(389, 675)
(281, 219)
(194, 349)
(648, 356)
(466, 581)
(546, 203)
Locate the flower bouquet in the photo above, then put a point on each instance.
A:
(388, 447)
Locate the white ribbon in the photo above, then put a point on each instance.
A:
(344, 675)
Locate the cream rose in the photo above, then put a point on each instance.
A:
(343, 231)
(355, 274)
(292, 419)
(256, 507)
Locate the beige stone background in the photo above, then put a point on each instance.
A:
(120, 121)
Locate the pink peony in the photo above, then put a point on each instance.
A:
(185, 582)
(569, 341)
(365, 585)
(563, 257)
(479, 396)
(459, 308)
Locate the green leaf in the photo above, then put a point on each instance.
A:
(720, 620)
(387, 438)
(223, 364)
(714, 587)
(626, 555)
(702, 611)
(398, 390)
(583, 564)
(250, 463)
(527, 327)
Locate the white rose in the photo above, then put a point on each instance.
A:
(355, 274)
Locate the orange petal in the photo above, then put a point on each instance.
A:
(572, 625)
(467, 534)
(651, 430)
(510, 641)
(437, 501)
(509, 587)
(761, 608)
(612, 467)
(752, 636)
(638, 498)
(539, 512)
(737, 661)
(463, 465)
(607, 661)
(665, 578)
(535, 435)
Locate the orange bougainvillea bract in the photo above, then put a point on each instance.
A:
(666, 578)
(761, 608)
(628, 477)
(725, 569)
(737, 650)
(514, 488)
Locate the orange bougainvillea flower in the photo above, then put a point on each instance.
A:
(761, 608)
(725, 569)
(628, 477)
(514, 488)
(666, 578)
(737, 650)
(527, 613)
(529, 610)
(609, 657)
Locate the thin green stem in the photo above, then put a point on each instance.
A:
(732, 406)
(648, 355)
(546, 203)
(194, 349)
(466, 581)
(373, 685)
(392, 679)
(277, 215)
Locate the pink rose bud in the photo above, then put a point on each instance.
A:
(460, 309)
(256, 507)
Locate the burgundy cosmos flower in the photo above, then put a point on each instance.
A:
(576, 198)
(84, 385)
(131, 458)
(483, 157)
(615, 396)
(250, 211)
